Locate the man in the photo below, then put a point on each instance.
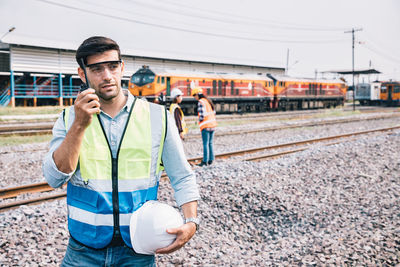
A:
(110, 147)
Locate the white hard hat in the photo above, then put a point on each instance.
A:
(175, 93)
(148, 226)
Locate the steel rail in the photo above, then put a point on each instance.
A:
(24, 130)
(299, 125)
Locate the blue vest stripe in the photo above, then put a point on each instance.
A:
(96, 237)
(131, 201)
(101, 202)
(89, 200)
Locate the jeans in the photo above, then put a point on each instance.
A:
(208, 147)
(122, 256)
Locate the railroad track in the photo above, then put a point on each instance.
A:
(265, 129)
(297, 125)
(294, 148)
(43, 128)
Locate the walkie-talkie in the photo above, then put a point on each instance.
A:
(86, 85)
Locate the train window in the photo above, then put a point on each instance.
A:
(188, 87)
(208, 90)
(204, 81)
(232, 87)
(383, 89)
(214, 87)
(142, 77)
(219, 87)
(162, 80)
(158, 79)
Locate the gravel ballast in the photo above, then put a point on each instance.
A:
(330, 205)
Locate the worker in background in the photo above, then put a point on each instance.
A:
(109, 147)
(177, 112)
(207, 124)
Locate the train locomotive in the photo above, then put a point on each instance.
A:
(235, 93)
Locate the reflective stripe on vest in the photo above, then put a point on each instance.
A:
(183, 123)
(209, 120)
(91, 214)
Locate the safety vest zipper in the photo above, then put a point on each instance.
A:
(115, 200)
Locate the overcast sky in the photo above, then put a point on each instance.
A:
(258, 32)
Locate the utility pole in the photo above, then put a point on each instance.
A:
(354, 89)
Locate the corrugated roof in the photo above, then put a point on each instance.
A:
(52, 24)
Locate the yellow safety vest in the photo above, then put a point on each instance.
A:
(183, 123)
(112, 189)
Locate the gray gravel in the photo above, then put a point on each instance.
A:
(334, 205)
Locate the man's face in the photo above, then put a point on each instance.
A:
(105, 77)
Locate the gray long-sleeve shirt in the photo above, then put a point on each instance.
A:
(181, 175)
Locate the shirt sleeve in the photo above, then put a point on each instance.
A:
(200, 110)
(53, 176)
(181, 175)
(178, 119)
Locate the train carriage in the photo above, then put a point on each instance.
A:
(368, 93)
(294, 93)
(390, 93)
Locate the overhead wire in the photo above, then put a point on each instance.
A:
(221, 35)
(375, 48)
(380, 53)
(248, 20)
(187, 22)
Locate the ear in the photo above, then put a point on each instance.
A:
(122, 67)
(81, 74)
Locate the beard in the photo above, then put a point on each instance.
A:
(108, 94)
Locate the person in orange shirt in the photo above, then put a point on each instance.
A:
(207, 123)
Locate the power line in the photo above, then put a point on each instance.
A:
(186, 23)
(214, 27)
(381, 54)
(191, 31)
(256, 21)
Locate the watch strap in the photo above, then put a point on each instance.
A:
(194, 220)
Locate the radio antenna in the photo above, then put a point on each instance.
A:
(84, 70)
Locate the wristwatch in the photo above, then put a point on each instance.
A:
(194, 220)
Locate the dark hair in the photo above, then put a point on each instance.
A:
(93, 46)
(209, 100)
